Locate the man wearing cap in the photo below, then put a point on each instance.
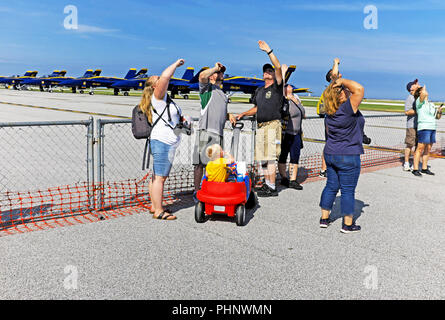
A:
(411, 122)
(212, 119)
(267, 103)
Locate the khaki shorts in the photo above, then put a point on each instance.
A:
(411, 137)
(268, 141)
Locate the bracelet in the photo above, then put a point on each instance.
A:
(270, 51)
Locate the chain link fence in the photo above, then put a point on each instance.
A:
(60, 169)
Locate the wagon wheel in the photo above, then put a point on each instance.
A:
(240, 216)
(199, 212)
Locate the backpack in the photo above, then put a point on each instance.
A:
(142, 128)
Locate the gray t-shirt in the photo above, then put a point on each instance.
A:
(213, 108)
(296, 114)
(410, 103)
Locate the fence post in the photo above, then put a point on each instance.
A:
(100, 164)
(90, 164)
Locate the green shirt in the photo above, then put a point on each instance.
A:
(426, 115)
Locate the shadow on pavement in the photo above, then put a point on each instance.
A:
(336, 209)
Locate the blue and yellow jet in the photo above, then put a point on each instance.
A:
(97, 81)
(249, 85)
(48, 82)
(79, 83)
(16, 81)
(176, 86)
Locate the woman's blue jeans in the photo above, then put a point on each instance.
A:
(343, 172)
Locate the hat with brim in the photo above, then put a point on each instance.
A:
(410, 84)
(268, 68)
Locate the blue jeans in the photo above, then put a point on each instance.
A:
(343, 172)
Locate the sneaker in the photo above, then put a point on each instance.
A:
(427, 171)
(350, 229)
(267, 192)
(406, 167)
(324, 223)
(295, 185)
(284, 182)
(261, 187)
(416, 173)
(323, 174)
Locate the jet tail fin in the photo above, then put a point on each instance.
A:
(55, 73)
(131, 74)
(88, 73)
(62, 73)
(195, 78)
(97, 72)
(31, 74)
(188, 74)
(142, 71)
(289, 72)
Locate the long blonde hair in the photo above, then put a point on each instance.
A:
(331, 99)
(145, 103)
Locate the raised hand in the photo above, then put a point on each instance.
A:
(337, 61)
(263, 46)
(180, 62)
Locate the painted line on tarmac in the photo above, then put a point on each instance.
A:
(65, 110)
(385, 149)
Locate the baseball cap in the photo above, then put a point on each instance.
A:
(408, 86)
(328, 76)
(267, 67)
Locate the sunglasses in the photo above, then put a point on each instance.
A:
(342, 88)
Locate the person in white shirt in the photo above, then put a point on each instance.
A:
(156, 103)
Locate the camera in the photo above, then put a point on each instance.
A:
(366, 139)
(184, 126)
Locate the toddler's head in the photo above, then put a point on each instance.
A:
(214, 152)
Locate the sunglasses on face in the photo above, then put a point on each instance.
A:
(342, 88)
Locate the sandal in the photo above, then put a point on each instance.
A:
(164, 216)
(165, 210)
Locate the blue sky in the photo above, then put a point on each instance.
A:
(116, 35)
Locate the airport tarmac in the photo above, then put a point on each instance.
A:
(280, 254)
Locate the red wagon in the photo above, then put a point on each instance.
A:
(224, 198)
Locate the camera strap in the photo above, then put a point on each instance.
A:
(167, 107)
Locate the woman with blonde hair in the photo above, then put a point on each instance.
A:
(344, 125)
(156, 103)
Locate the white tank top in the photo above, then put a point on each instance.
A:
(162, 131)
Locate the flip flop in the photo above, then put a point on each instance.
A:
(165, 210)
(164, 216)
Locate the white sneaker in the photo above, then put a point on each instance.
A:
(406, 167)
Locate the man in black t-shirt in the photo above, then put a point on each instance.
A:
(267, 103)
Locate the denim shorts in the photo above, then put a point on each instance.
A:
(426, 136)
(163, 156)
